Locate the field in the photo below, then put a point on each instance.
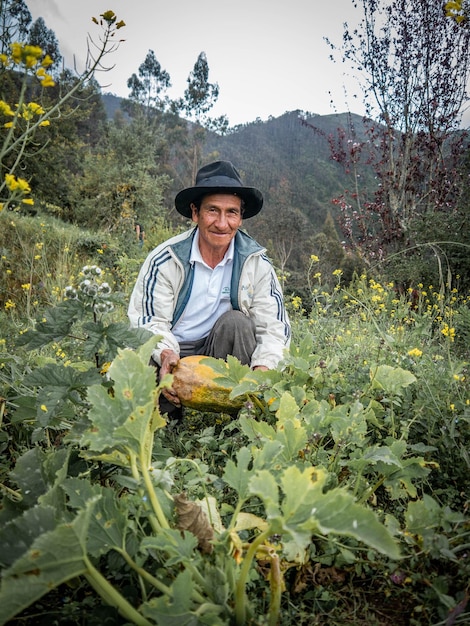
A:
(338, 494)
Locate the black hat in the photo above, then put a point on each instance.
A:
(219, 177)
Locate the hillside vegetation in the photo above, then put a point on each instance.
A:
(338, 493)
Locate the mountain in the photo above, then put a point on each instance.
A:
(288, 157)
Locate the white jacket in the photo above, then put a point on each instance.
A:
(164, 283)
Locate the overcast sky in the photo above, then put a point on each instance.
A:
(267, 56)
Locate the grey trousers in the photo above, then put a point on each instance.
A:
(233, 333)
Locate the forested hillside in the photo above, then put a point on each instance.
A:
(283, 154)
(330, 489)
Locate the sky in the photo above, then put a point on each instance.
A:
(267, 56)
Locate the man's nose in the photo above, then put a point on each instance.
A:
(222, 220)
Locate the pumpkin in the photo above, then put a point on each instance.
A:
(196, 388)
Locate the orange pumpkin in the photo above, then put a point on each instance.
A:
(196, 388)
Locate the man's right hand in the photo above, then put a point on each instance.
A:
(169, 360)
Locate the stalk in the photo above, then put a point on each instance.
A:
(275, 582)
(196, 596)
(240, 595)
(111, 596)
(157, 509)
(135, 474)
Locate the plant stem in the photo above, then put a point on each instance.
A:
(111, 596)
(157, 509)
(240, 596)
(275, 581)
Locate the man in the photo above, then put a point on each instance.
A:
(211, 290)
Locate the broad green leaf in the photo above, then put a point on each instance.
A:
(57, 325)
(301, 489)
(349, 423)
(293, 438)
(52, 559)
(36, 471)
(381, 454)
(108, 522)
(336, 512)
(58, 375)
(179, 546)
(57, 385)
(245, 387)
(255, 430)
(114, 457)
(138, 427)
(237, 476)
(17, 535)
(288, 410)
(391, 379)
(106, 340)
(316, 416)
(267, 456)
(126, 417)
(264, 485)
(174, 611)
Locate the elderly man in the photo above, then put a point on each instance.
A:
(211, 290)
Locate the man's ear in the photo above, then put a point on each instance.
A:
(194, 212)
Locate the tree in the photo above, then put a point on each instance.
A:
(148, 88)
(40, 35)
(199, 98)
(25, 67)
(415, 64)
(200, 95)
(15, 19)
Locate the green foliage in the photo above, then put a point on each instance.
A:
(332, 463)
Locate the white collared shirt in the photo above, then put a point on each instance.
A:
(210, 295)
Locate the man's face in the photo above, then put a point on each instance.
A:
(218, 220)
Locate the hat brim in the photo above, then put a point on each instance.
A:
(252, 197)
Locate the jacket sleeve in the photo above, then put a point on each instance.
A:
(152, 301)
(267, 309)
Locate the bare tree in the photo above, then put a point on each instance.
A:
(414, 64)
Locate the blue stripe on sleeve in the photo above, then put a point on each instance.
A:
(149, 282)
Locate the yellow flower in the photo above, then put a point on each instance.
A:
(449, 332)
(10, 181)
(44, 408)
(28, 201)
(48, 81)
(337, 272)
(297, 302)
(47, 61)
(314, 258)
(5, 108)
(26, 286)
(416, 352)
(9, 304)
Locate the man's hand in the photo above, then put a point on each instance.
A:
(169, 360)
(263, 368)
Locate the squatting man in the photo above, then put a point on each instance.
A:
(212, 290)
